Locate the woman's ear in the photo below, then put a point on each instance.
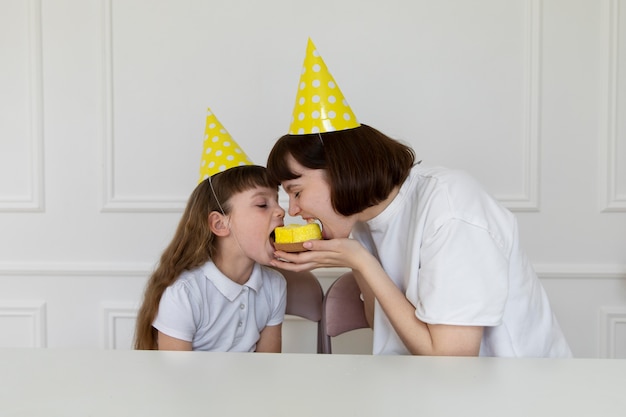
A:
(218, 224)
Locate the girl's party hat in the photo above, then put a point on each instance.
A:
(320, 105)
(220, 150)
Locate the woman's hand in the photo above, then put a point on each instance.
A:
(344, 252)
(341, 252)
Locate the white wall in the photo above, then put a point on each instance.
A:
(102, 110)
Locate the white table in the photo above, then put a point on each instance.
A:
(54, 382)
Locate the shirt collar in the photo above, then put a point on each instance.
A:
(229, 288)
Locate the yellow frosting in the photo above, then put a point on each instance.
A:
(292, 233)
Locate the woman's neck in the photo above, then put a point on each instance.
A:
(371, 212)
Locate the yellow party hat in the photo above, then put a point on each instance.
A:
(220, 150)
(320, 105)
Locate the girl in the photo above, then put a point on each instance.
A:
(209, 291)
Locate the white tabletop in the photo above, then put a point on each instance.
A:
(54, 382)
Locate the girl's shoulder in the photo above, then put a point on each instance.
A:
(191, 277)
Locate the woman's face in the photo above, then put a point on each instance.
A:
(309, 198)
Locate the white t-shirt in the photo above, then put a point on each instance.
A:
(454, 251)
(215, 313)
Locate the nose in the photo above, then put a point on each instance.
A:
(280, 212)
(293, 208)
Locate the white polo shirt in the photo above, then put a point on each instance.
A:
(215, 313)
(454, 252)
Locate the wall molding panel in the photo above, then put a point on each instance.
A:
(118, 323)
(528, 200)
(612, 331)
(612, 200)
(581, 271)
(33, 313)
(33, 199)
(112, 201)
(69, 269)
(138, 269)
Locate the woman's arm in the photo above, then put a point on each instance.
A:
(166, 342)
(271, 339)
(419, 338)
(367, 297)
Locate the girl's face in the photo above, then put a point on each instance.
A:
(254, 215)
(309, 198)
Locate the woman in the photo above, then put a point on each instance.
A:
(437, 259)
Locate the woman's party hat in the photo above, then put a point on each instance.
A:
(320, 105)
(220, 150)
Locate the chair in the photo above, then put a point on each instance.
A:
(304, 298)
(342, 310)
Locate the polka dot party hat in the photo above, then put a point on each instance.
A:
(220, 150)
(320, 106)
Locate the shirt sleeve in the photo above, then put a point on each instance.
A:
(175, 316)
(463, 277)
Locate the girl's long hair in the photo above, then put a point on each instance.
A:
(193, 243)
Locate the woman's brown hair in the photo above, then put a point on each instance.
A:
(193, 243)
(363, 165)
